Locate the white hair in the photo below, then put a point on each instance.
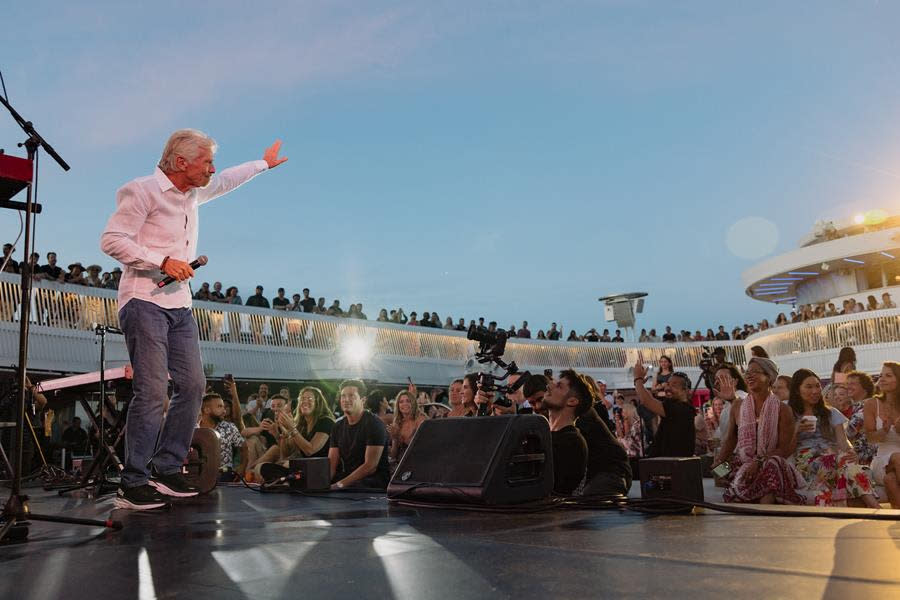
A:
(187, 144)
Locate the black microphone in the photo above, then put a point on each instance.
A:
(199, 262)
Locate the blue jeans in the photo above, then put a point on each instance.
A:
(161, 343)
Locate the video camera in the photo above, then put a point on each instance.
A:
(706, 358)
(491, 346)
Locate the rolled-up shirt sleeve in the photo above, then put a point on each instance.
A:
(119, 238)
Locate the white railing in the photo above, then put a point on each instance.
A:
(263, 343)
(874, 335)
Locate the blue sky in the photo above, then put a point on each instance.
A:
(513, 160)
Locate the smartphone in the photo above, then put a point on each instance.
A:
(548, 373)
(228, 378)
(723, 469)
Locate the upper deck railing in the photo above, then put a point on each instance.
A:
(268, 344)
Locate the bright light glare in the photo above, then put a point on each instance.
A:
(356, 350)
(858, 219)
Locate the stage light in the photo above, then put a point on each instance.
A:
(356, 350)
(859, 219)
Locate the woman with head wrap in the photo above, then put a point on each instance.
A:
(758, 441)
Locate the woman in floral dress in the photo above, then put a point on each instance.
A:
(823, 455)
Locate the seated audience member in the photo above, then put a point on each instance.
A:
(632, 433)
(675, 433)
(534, 391)
(457, 408)
(212, 415)
(604, 401)
(359, 443)
(882, 423)
(263, 438)
(304, 434)
(309, 432)
(569, 397)
(758, 447)
(469, 390)
(379, 406)
(407, 418)
(712, 420)
(782, 388)
(261, 401)
(729, 384)
(860, 388)
(608, 471)
(824, 455)
(845, 362)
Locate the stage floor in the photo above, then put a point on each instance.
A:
(237, 543)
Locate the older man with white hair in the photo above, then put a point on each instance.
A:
(153, 233)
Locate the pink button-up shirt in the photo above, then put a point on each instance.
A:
(153, 220)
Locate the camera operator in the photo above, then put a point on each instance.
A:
(675, 434)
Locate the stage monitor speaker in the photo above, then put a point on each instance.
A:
(315, 474)
(672, 477)
(202, 462)
(477, 460)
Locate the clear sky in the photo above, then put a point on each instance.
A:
(513, 160)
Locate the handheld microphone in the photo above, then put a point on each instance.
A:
(198, 262)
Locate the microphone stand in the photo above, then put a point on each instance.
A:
(16, 513)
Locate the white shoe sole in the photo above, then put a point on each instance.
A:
(167, 491)
(127, 505)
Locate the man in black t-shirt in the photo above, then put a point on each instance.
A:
(675, 434)
(258, 299)
(358, 455)
(279, 302)
(50, 271)
(668, 336)
(307, 303)
(568, 398)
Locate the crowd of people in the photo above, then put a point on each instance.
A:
(768, 437)
(94, 276)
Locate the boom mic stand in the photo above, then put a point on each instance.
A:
(16, 514)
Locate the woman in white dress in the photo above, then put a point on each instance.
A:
(881, 416)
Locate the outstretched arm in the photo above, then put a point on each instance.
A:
(644, 397)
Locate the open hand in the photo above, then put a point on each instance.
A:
(271, 155)
(285, 420)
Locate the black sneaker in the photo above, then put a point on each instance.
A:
(174, 485)
(141, 497)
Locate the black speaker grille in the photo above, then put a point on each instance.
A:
(457, 454)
